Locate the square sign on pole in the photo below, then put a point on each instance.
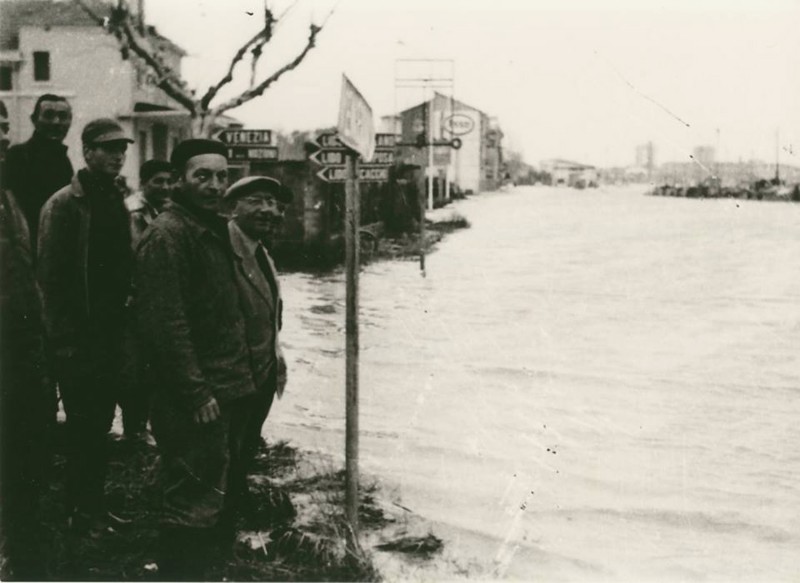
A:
(356, 127)
(357, 132)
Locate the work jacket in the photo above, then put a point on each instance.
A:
(188, 308)
(63, 264)
(263, 311)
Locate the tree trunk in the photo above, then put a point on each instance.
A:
(204, 125)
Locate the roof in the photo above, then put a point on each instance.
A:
(460, 105)
(14, 14)
(560, 162)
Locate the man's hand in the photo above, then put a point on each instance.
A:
(207, 412)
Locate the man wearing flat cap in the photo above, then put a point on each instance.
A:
(257, 205)
(191, 318)
(84, 271)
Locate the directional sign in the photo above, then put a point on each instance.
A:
(329, 157)
(251, 153)
(366, 173)
(329, 140)
(383, 157)
(246, 137)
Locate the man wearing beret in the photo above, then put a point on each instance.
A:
(84, 270)
(191, 318)
(257, 205)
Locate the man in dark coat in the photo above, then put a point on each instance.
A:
(84, 268)
(40, 166)
(192, 322)
(258, 205)
(27, 398)
(155, 179)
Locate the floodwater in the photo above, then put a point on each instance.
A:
(588, 385)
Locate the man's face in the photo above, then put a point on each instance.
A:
(157, 189)
(204, 180)
(259, 215)
(53, 120)
(106, 158)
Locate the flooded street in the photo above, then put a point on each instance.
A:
(588, 385)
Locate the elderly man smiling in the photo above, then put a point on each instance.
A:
(257, 206)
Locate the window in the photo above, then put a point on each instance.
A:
(41, 66)
(6, 78)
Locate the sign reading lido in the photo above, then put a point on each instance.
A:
(366, 173)
(458, 124)
(246, 137)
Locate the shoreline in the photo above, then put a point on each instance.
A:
(296, 530)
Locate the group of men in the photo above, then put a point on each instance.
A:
(166, 302)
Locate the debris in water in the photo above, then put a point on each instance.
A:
(424, 546)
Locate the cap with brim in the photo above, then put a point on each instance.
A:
(258, 184)
(104, 130)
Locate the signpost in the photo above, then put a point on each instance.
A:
(356, 131)
(253, 154)
(241, 137)
(249, 145)
(332, 156)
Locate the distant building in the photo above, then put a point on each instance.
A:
(704, 155)
(476, 166)
(646, 157)
(50, 46)
(569, 173)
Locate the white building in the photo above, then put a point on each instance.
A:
(569, 173)
(475, 167)
(51, 46)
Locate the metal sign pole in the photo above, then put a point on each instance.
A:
(351, 330)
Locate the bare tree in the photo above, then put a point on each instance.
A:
(134, 37)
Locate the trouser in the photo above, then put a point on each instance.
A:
(89, 384)
(198, 462)
(28, 417)
(136, 390)
(262, 403)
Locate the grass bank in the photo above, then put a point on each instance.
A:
(295, 529)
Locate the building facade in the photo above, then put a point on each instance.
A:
(476, 166)
(49, 46)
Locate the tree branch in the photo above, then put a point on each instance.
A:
(259, 89)
(99, 20)
(168, 81)
(261, 38)
(119, 25)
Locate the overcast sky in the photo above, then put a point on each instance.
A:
(576, 79)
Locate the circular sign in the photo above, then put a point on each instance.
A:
(458, 124)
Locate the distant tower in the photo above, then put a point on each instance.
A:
(646, 158)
